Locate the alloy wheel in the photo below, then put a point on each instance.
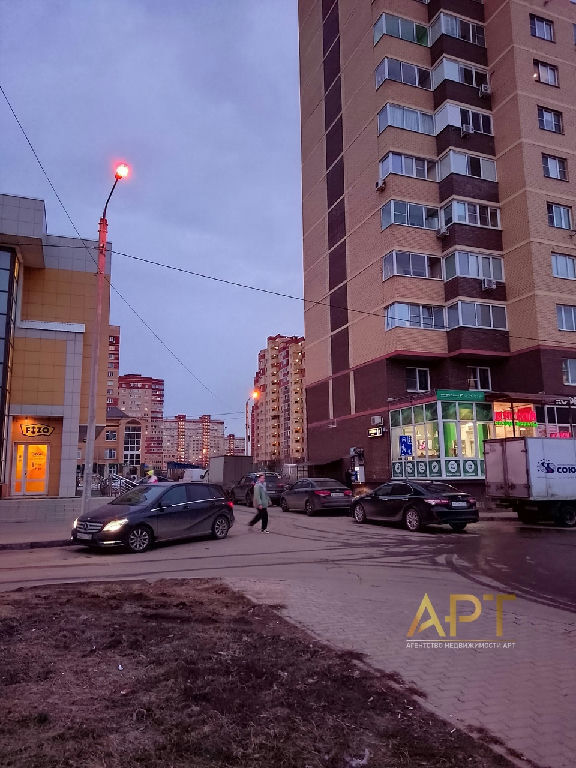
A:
(220, 527)
(139, 539)
(412, 519)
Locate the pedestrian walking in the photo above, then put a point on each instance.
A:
(261, 502)
(152, 476)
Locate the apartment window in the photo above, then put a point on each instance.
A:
(409, 215)
(566, 317)
(554, 167)
(467, 165)
(401, 28)
(110, 453)
(466, 264)
(476, 315)
(479, 378)
(470, 213)
(569, 371)
(559, 216)
(417, 379)
(545, 73)
(542, 28)
(549, 120)
(407, 165)
(448, 69)
(414, 316)
(479, 122)
(564, 266)
(406, 118)
(111, 435)
(402, 72)
(446, 24)
(412, 265)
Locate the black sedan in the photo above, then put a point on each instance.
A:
(156, 512)
(243, 491)
(417, 504)
(312, 494)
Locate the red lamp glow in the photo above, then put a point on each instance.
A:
(122, 171)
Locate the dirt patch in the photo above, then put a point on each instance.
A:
(189, 673)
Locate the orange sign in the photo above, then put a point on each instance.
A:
(35, 430)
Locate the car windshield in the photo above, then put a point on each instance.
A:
(139, 495)
(272, 476)
(439, 488)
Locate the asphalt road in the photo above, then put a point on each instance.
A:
(537, 563)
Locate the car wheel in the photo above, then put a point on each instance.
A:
(567, 515)
(248, 500)
(360, 514)
(220, 527)
(412, 519)
(140, 538)
(309, 508)
(284, 505)
(458, 526)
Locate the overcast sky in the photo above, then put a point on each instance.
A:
(201, 98)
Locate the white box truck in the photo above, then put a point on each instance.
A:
(536, 476)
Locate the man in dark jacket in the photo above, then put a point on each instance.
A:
(261, 503)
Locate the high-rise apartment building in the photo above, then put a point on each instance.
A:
(193, 441)
(143, 397)
(438, 161)
(278, 416)
(113, 365)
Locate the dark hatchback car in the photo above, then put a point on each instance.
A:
(417, 504)
(156, 512)
(243, 491)
(312, 494)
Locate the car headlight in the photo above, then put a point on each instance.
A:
(75, 523)
(115, 525)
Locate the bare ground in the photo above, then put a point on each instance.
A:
(190, 673)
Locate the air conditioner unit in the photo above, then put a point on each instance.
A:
(466, 130)
(380, 185)
(442, 232)
(488, 284)
(376, 421)
(485, 90)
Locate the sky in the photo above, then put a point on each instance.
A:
(200, 97)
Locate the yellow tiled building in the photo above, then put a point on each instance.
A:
(48, 298)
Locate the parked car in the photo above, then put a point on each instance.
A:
(312, 494)
(417, 504)
(156, 512)
(243, 491)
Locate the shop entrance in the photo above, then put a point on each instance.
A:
(30, 473)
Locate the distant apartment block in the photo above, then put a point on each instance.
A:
(113, 364)
(193, 441)
(143, 398)
(278, 419)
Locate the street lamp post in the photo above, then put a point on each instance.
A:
(120, 173)
(254, 395)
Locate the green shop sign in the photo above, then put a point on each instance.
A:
(460, 395)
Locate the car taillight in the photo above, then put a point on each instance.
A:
(230, 505)
(347, 493)
(434, 502)
(322, 493)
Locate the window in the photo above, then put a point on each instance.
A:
(569, 372)
(458, 212)
(564, 266)
(542, 28)
(409, 215)
(448, 69)
(407, 165)
(174, 496)
(417, 379)
(412, 265)
(414, 316)
(549, 120)
(446, 24)
(479, 378)
(545, 73)
(478, 265)
(402, 72)
(476, 315)
(554, 167)
(559, 216)
(467, 165)
(480, 122)
(109, 453)
(402, 28)
(406, 118)
(566, 317)
(111, 435)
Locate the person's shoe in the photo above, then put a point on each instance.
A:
(266, 530)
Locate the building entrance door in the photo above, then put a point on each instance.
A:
(30, 473)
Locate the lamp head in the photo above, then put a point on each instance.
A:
(121, 171)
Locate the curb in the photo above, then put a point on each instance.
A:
(36, 544)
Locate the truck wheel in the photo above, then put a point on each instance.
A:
(527, 516)
(567, 515)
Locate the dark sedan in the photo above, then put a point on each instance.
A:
(156, 512)
(312, 494)
(417, 504)
(243, 491)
